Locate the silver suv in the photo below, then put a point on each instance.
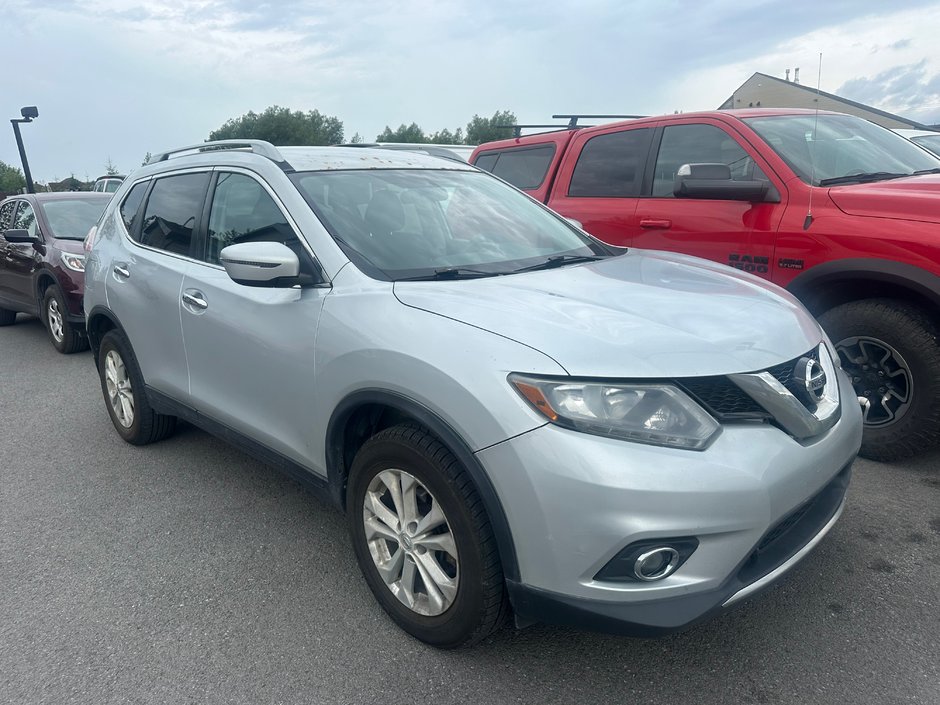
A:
(515, 417)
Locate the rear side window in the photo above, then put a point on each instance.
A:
(242, 211)
(6, 215)
(171, 212)
(524, 168)
(700, 144)
(611, 165)
(131, 204)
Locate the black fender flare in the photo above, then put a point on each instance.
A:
(91, 331)
(909, 276)
(337, 472)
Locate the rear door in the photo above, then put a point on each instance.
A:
(600, 179)
(251, 349)
(145, 281)
(736, 233)
(7, 211)
(528, 164)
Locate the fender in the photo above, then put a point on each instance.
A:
(92, 331)
(909, 276)
(337, 471)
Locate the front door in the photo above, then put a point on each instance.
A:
(251, 349)
(736, 233)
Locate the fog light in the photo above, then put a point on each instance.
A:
(648, 560)
(656, 564)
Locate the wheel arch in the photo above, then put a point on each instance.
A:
(362, 414)
(99, 321)
(833, 283)
(44, 279)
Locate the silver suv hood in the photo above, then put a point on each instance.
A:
(643, 314)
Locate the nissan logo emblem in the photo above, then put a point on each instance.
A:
(810, 379)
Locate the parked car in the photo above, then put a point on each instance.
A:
(108, 183)
(843, 213)
(509, 411)
(42, 264)
(928, 139)
(448, 151)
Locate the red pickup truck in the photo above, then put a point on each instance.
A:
(841, 212)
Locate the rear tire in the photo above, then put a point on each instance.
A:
(889, 349)
(447, 597)
(65, 338)
(7, 317)
(124, 393)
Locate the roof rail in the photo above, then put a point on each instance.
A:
(265, 149)
(573, 118)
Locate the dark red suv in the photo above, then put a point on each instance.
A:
(42, 264)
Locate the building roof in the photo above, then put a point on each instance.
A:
(729, 103)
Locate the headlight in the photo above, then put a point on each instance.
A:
(658, 414)
(74, 262)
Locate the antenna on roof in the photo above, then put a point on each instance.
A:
(812, 155)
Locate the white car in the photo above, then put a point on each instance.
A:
(928, 139)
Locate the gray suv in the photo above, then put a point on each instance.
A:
(515, 417)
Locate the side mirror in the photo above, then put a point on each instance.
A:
(261, 264)
(19, 235)
(713, 181)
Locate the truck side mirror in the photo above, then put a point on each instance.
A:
(713, 181)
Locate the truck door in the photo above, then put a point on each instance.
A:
(600, 179)
(737, 233)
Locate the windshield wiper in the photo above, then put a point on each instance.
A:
(861, 178)
(558, 261)
(451, 273)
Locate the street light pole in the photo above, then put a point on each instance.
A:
(28, 114)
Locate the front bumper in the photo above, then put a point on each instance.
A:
(573, 501)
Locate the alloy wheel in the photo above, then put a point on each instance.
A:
(120, 393)
(56, 321)
(411, 542)
(881, 377)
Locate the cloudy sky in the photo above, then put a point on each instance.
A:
(118, 78)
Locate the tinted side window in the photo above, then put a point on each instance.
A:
(611, 165)
(524, 168)
(171, 212)
(25, 218)
(131, 204)
(6, 214)
(487, 161)
(698, 144)
(242, 211)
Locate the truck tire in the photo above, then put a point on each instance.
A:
(423, 541)
(889, 349)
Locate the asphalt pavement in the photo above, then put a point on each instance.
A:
(187, 572)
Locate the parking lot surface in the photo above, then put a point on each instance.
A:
(187, 572)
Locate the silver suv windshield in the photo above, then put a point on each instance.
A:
(846, 149)
(433, 224)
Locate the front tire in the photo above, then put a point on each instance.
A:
(124, 395)
(65, 338)
(423, 540)
(889, 350)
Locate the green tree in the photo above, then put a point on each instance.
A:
(445, 136)
(283, 126)
(11, 179)
(110, 169)
(404, 133)
(147, 158)
(356, 139)
(481, 129)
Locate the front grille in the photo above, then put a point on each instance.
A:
(722, 398)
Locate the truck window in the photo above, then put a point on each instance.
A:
(700, 144)
(524, 168)
(611, 165)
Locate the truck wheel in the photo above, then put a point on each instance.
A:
(889, 350)
(423, 540)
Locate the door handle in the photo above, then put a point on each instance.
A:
(660, 223)
(121, 270)
(195, 299)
